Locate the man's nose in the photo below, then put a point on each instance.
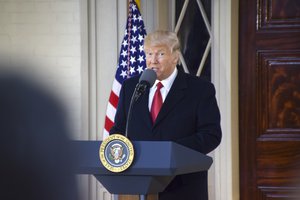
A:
(154, 58)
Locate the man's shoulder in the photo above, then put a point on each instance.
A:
(195, 81)
(132, 81)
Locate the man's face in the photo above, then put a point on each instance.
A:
(161, 60)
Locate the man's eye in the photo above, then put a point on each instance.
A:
(161, 54)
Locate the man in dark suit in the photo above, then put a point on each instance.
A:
(189, 113)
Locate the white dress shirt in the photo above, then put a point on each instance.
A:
(167, 83)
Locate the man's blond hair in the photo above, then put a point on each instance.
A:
(163, 38)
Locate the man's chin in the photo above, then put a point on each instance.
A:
(159, 78)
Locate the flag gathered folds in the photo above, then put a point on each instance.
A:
(132, 60)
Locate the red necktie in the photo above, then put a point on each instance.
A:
(157, 102)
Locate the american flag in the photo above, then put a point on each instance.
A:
(132, 60)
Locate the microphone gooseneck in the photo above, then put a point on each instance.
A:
(146, 80)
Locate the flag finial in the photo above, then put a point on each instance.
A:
(138, 3)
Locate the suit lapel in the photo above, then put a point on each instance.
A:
(175, 95)
(142, 110)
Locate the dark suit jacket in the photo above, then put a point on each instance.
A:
(189, 116)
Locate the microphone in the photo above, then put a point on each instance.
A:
(148, 77)
(146, 80)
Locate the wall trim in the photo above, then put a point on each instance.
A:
(225, 79)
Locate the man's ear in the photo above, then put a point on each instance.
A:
(175, 58)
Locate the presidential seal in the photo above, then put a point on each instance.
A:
(116, 153)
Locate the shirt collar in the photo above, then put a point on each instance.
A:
(168, 82)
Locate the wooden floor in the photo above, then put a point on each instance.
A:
(136, 197)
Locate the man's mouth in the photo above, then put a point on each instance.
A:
(154, 69)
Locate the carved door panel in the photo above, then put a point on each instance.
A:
(269, 99)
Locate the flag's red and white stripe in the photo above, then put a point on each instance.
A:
(111, 108)
(131, 61)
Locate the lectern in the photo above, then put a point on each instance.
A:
(155, 164)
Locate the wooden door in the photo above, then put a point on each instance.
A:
(269, 99)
